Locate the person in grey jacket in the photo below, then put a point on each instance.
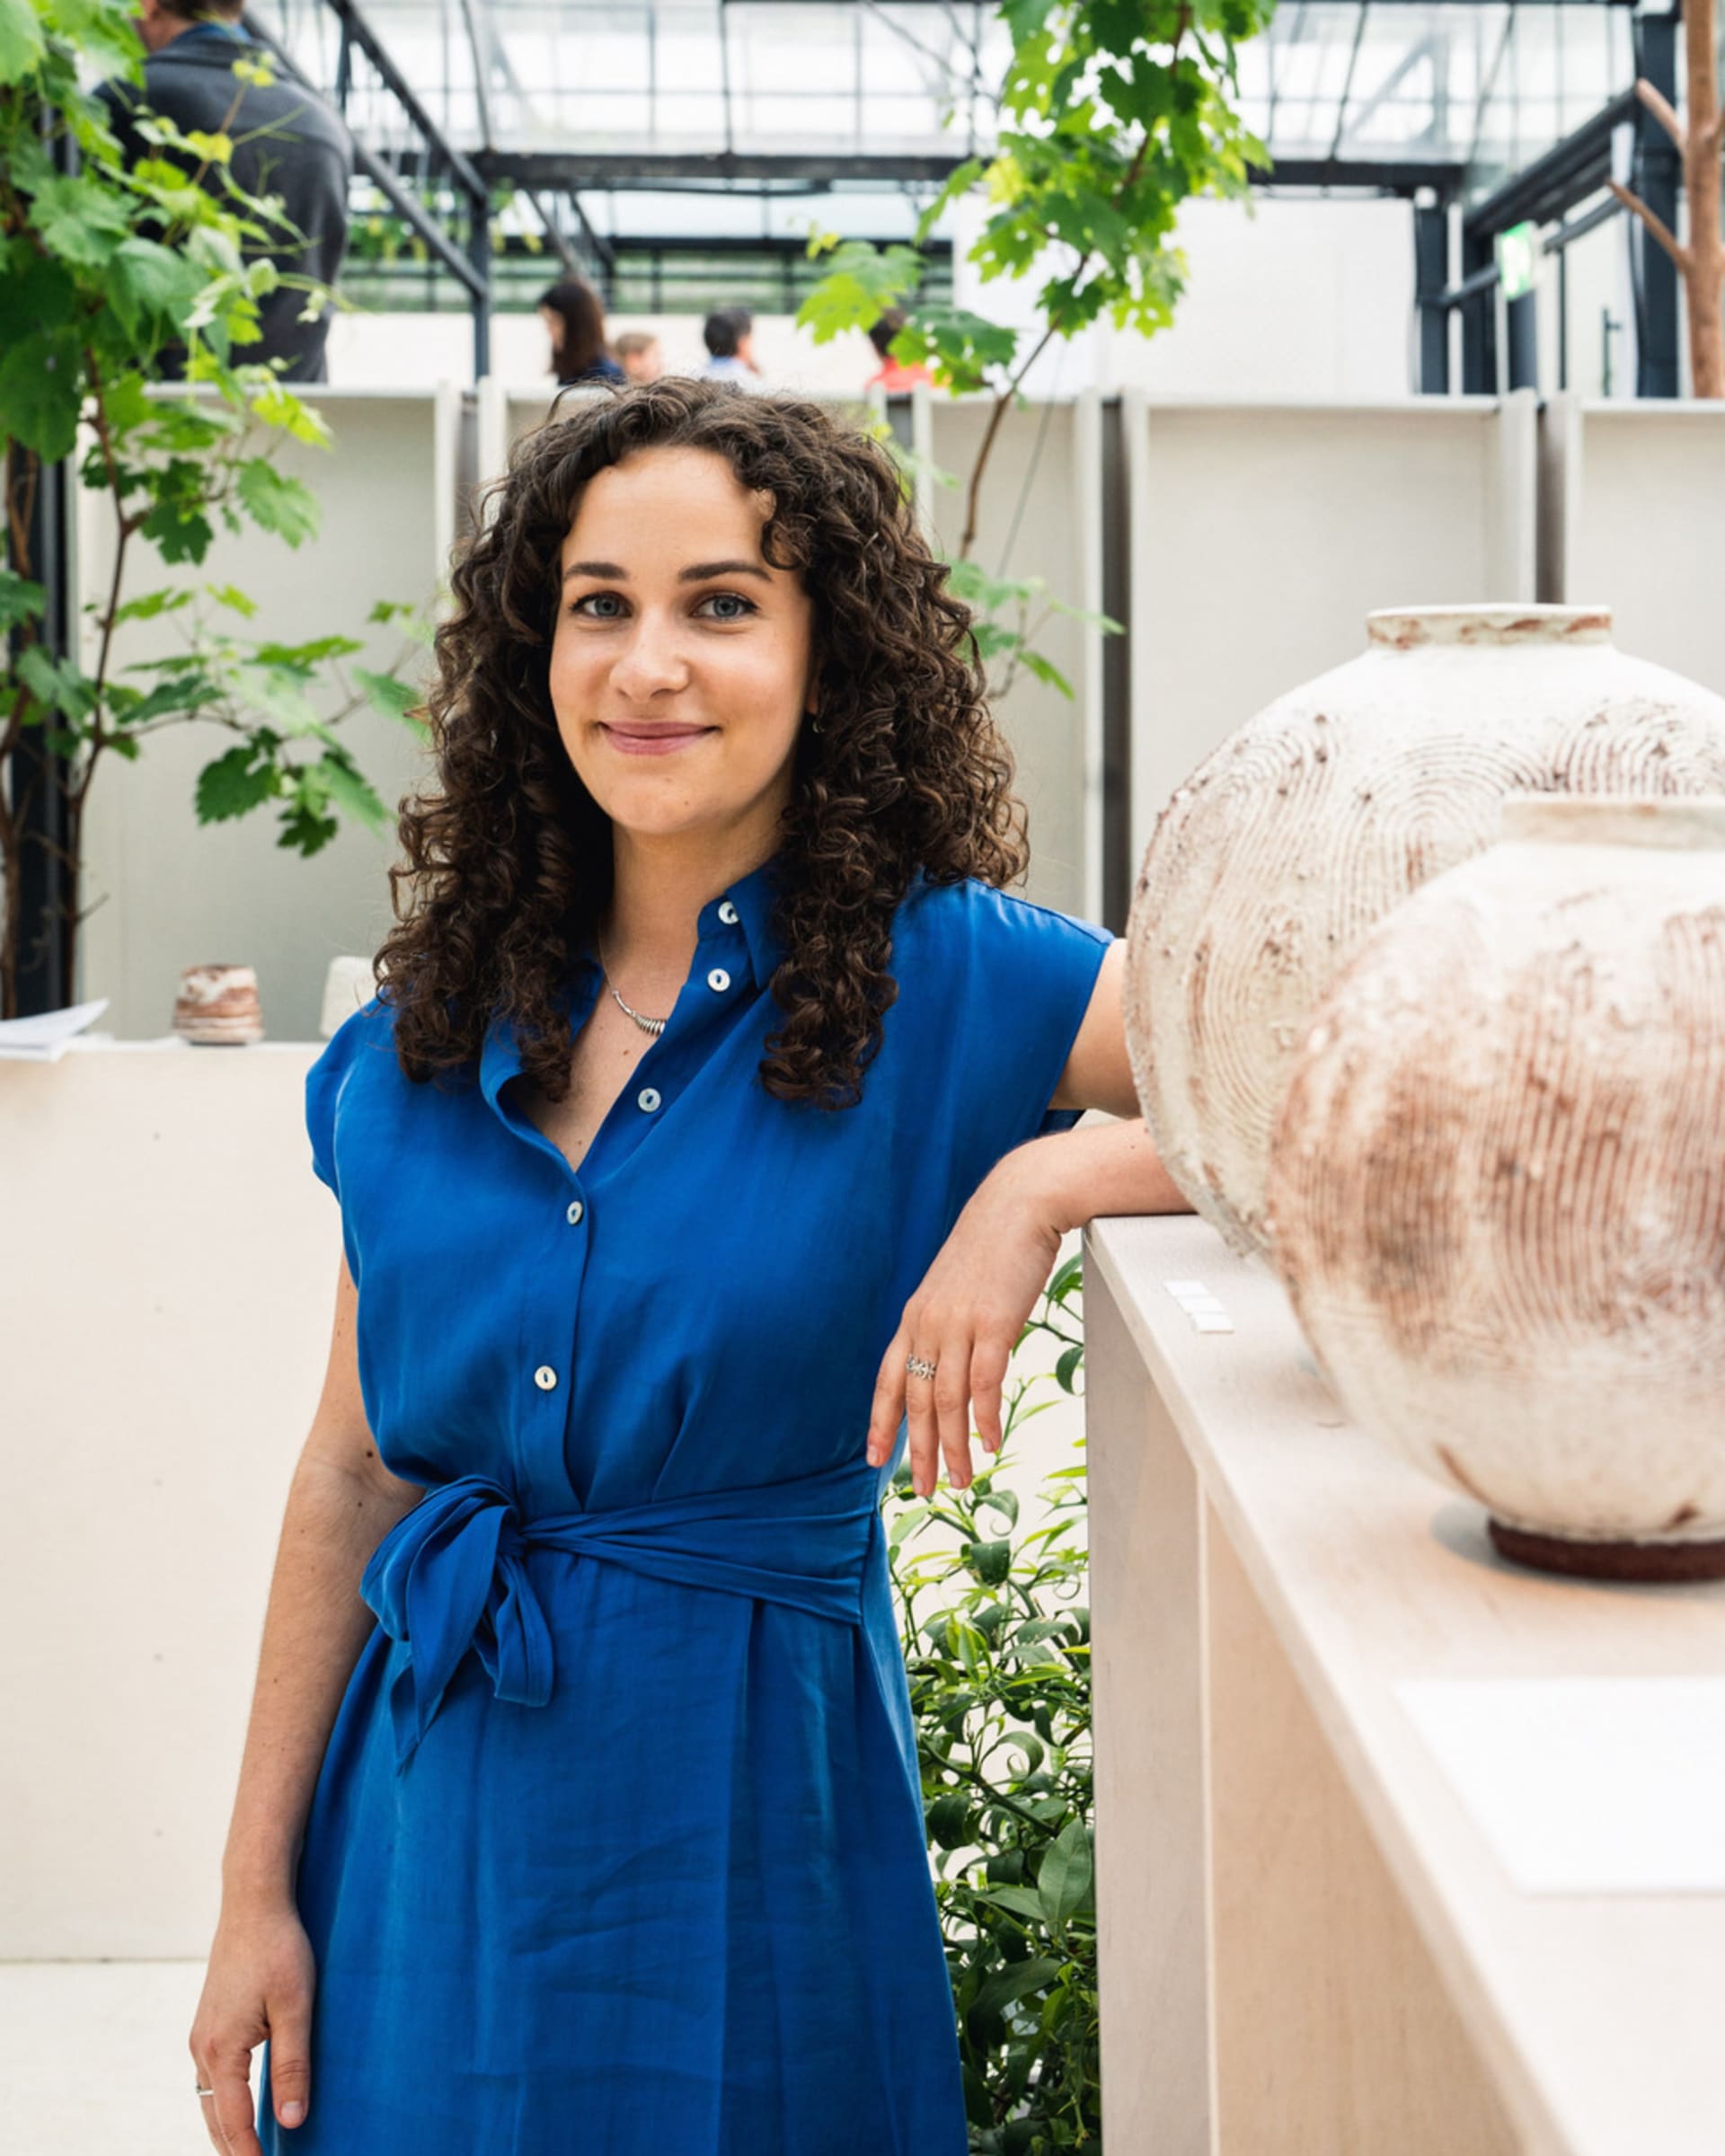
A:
(285, 142)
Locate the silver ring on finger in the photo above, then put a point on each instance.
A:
(201, 2091)
(919, 1365)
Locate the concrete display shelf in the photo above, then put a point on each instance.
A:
(1308, 1942)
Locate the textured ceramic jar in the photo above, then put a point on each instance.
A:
(1497, 1186)
(1283, 850)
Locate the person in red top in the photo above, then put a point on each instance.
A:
(894, 374)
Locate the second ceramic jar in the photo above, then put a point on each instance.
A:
(1497, 1185)
(1275, 859)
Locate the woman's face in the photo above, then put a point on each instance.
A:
(681, 666)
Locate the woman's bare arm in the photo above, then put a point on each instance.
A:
(341, 1503)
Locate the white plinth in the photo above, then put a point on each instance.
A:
(1308, 1943)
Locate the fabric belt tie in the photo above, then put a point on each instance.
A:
(450, 1575)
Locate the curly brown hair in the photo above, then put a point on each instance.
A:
(509, 862)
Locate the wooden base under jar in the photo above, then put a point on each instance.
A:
(1659, 1562)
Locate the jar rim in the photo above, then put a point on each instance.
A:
(1490, 625)
(1672, 821)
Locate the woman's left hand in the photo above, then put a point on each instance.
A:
(965, 1318)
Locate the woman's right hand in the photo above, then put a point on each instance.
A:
(259, 1982)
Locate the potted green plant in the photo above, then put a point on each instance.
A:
(103, 268)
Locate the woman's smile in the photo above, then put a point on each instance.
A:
(653, 741)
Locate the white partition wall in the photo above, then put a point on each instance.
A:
(1633, 517)
(1262, 535)
(170, 892)
(1040, 515)
(169, 1309)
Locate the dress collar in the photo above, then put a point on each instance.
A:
(752, 896)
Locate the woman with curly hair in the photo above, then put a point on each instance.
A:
(702, 1154)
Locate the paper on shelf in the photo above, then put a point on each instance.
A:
(1585, 1785)
(42, 1037)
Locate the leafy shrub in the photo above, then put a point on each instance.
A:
(999, 1669)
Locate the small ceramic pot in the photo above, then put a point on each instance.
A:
(218, 1006)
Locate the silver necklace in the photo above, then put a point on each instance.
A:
(647, 1025)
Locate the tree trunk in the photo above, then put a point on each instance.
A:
(1701, 259)
(1705, 284)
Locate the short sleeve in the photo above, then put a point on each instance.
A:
(1027, 973)
(323, 1083)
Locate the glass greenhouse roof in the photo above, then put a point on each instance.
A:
(1478, 86)
(753, 96)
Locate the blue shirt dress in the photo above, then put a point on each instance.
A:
(617, 1846)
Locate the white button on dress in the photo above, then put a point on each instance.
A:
(727, 912)
(647, 1098)
(544, 1378)
(718, 979)
(576, 1209)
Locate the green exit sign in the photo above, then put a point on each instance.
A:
(1517, 257)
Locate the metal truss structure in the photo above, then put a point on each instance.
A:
(653, 140)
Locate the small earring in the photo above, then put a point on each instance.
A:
(814, 726)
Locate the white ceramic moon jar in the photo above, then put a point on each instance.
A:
(1287, 846)
(1497, 1185)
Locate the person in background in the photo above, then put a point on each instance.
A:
(894, 374)
(574, 320)
(639, 355)
(287, 142)
(730, 338)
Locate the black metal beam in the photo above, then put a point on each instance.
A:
(554, 232)
(572, 169)
(1521, 323)
(366, 38)
(1658, 178)
(37, 776)
(613, 168)
(1567, 173)
(603, 249)
(1479, 313)
(705, 246)
(482, 88)
(1430, 278)
(478, 254)
(1374, 175)
(1348, 82)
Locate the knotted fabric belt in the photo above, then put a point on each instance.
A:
(450, 1574)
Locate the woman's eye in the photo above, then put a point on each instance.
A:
(730, 598)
